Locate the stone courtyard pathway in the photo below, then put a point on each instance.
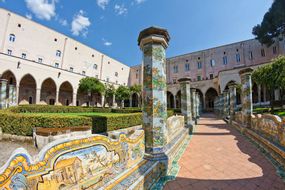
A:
(218, 157)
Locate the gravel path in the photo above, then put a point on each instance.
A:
(8, 147)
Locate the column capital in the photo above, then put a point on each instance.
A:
(184, 80)
(232, 84)
(154, 35)
(244, 72)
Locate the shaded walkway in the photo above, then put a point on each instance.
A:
(220, 158)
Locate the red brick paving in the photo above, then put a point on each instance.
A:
(220, 158)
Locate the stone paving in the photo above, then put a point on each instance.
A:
(218, 157)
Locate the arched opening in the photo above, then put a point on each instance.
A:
(255, 93)
(48, 92)
(211, 94)
(135, 100)
(27, 90)
(11, 80)
(127, 103)
(238, 92)
(170, 100)
(65, 93)
(178, 99)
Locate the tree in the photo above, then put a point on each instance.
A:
(137, 88)
(109, 93)
(271, 76)
(272, 25)
(122, 93)
(91, 85)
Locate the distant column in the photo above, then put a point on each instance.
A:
(74, 98)
(153, 42)
(102, 100)
(193, 104)
(197, 104)
(3, 93)
(186, 100)
(38, 96)
(225, 103)
(57, 97)
(174, 103)
(246, 95)
(12, 93)
(233, 94)
(17, 94)
(131, 101)
(113, 100)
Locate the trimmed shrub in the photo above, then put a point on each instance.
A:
(56, 109)
(68, 109)
(103, 124)
(23, 124)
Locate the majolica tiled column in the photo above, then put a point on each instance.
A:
(12, 94)
(233, 94)
(153, 42)
(225, 103)
(3, 91)
(246, 95)
(197, 104)
(186, 100)
(193, 104)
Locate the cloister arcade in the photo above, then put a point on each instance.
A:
(49, 92)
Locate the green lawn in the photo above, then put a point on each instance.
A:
(279, 112)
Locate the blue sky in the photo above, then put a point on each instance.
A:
(112, 26)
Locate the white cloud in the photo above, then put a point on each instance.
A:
(80, 24)
(63, 22)
(3, 1)
(106, 43)
(103, 3)
(43, 9)
(139, 1)
(29, 16)
(120, 9)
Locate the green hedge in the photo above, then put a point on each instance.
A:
(110, 123)
(68, 109)
(23, 124)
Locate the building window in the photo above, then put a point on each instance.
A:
(225, 60)
(116, 74)
(95, 66)
(175, 69)
(96, 76)
(212, 63)
(19, 25)
(12, 38)
(187, 67)
(198, 78)
(250, 55)
(58, 53)
(71, 69)
(199, 65)
(116, 82)
(107, 79)
(56, 65)
(274, 50)
(83, 73)
(211, 76)
(24, 56)
(9, 52)
(40, 60)
(262, 53)
(238, 57)
(137, 75)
